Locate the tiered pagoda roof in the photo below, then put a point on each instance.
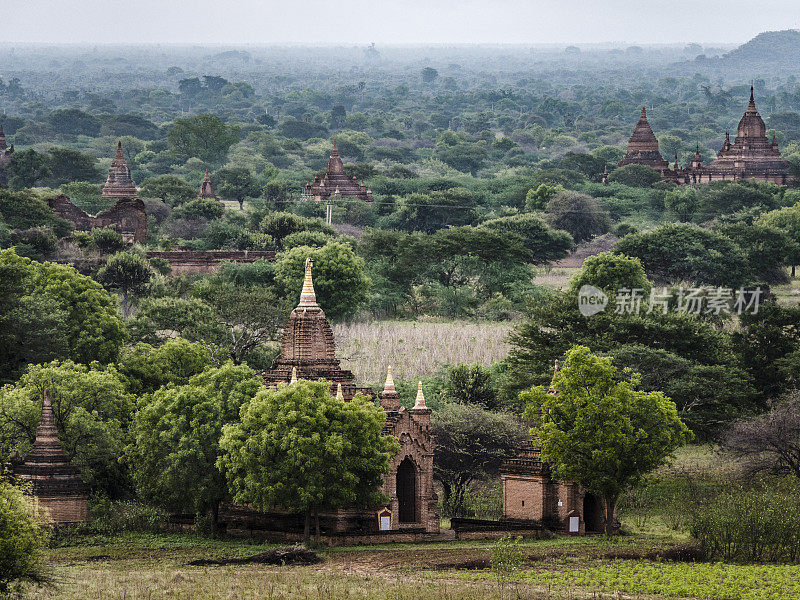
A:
(751, 154)
(643, 147)
(119, 183)
(206, 189)
(54, 480)
(336, 182)
(308, 350)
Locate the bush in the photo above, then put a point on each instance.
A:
(750, 525)
(22, 541)
(107, 241)
(110, 517)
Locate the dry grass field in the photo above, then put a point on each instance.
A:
(417, 348)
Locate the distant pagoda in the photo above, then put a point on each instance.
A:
(206, 189)
(119, 183)
(336, 182)
(54, 480)
(5, 158)
(643, 147)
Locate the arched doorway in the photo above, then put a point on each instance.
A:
(592, 513)
(407, 491)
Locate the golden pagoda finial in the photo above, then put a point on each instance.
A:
(307, 296)
(420, 402)
(339, 393)
(294, 375)
(388, 387)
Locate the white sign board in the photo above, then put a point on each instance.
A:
(386, 523)
(574, 524)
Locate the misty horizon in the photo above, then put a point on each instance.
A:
(404, 23)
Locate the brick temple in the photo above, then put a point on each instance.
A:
(5, 158)
(54, 480)
(206, 189)
(531, 494)
(127, 216)
(750, 156)
(308, 351)
(336, 182)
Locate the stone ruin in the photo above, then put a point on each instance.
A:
(335, 182)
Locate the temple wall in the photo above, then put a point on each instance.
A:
(191, 262)
(65, 509)
(127, 217)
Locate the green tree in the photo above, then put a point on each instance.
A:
(546, 244)
(27, 168)
(339, 280)
(611, 272)
(578, 214)
(66, 165)
(236, 183)
(92, 411)
(23, 542)
(635, 176)
(471, 443)
(429, 75)
(72, 121)
(537, 198)
(145, 368)
(89, 327)
(767, 249)
(786, 219)
(175, 439)
(86, 196)
(599, 431)
(675, 253)
(171, 189)
(299, 448)
(203, 136)
(465, 157)
(128, 272)
(471, 384)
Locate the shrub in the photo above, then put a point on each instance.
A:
(22, 541)
(107, 241)
(506, 559)
(110, 517)
(750, 525)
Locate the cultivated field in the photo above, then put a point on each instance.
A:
(416, 349)
(138, 566)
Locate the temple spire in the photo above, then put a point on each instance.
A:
(339, 393)
(388, 387)
(307, 296)
(294, 376)
(119, 155)
(420, 401)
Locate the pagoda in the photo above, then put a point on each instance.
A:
(751, 155)
(643, 147)
(5, 158)
(54, 480)
(308, 352)
(119, 183)
(336, 182)
(206, 189)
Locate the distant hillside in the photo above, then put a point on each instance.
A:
(767, 51)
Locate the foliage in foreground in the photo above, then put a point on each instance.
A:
(22, 541)
(600, 431)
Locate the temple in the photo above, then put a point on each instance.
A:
(751, 155)
(119, 183)
(336, 182)
(54, 480)
(308, 351)
(206, 189)
(5, 158)
(127, 216)
(531, 494)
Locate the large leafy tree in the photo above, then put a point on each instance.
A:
(128, 272)
(81, 315)
(599, 431)
(236, 183)
(92, 410)
(786, 219)
(175, 439)
(579, 214)
(299, 448)
(66, 165)
(170, 188)
(204, 136)
(546, 244)
(145, 368)
(471, 443)
(27, 168)
(339, 279)
(676, 253)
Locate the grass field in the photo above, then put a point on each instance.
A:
(140, 566)
(417, 348)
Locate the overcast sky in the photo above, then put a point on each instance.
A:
(314, 22)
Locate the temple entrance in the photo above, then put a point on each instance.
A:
(592, 513)
(407, 491)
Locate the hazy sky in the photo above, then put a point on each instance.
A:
(267, 22)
